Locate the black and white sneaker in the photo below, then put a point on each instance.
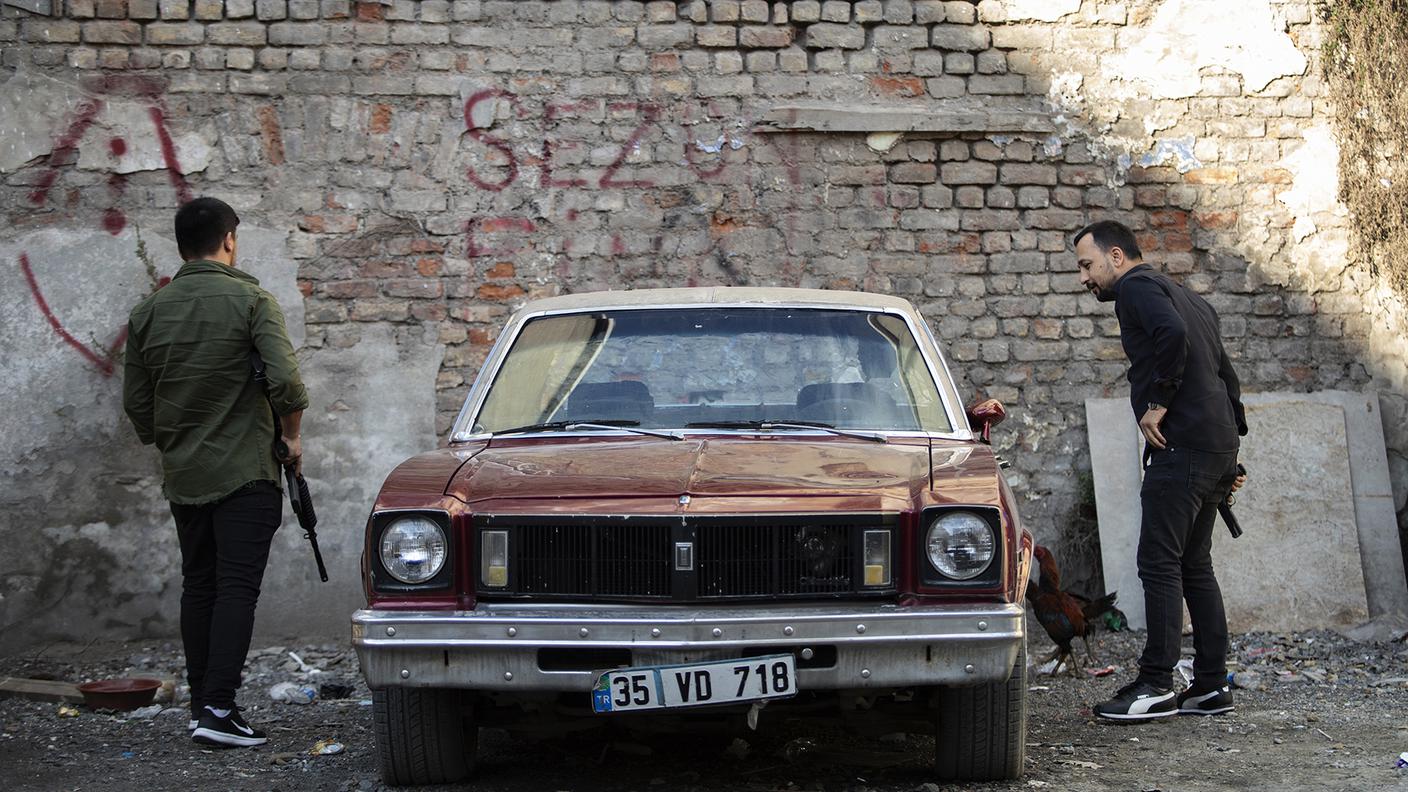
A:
(1195, 701)
(1138, 701)
(230, 730)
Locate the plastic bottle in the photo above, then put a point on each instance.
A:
(291, 693)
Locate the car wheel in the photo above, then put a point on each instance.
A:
(423, 736)
(981, 731)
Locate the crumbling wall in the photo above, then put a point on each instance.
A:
(417, 169)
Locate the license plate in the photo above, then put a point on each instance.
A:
(695, 684)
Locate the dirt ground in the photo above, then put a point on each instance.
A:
(1324, 713)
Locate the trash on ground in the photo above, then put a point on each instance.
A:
(290, 693)
(1100, 672)
(334, 690)
(304, 668)
(1185, 670)
(1079, 763)
(325, 748)
(1402, 762)
(1246, 680)
(65, 711)
(145, 713)
(1048, 668)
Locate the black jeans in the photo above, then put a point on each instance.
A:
(224, 548)
(1181, 490)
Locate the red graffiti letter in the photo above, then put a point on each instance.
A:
(489, 140)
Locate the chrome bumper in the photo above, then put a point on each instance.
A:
(495, 647)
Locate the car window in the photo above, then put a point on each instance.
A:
(668, 368)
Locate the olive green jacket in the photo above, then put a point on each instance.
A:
(188, 386)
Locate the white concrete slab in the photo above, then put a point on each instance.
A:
(1295, 500)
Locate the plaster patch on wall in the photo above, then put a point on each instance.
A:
(1166, 58)
(33, 109)
(132, 123)
(1040, 10)
(1314, 168)
(122, 138)
(1179, 150)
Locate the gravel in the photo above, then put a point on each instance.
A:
(1319, 711)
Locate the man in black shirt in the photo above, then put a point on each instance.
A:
(1187, 399)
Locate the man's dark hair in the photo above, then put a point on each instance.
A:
(201, 225)
(1111, 234)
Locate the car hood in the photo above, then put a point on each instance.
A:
(601, 468)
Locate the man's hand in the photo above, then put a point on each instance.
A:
(1238, 482)
(1149, 425)
(295, 453)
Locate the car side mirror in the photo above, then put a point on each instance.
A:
(984, 415)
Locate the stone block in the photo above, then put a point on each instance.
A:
(175, 34)
(110, 32)
(825, 35)
(1318, 469)
(967, 38)
(239, 34)
(269, 10)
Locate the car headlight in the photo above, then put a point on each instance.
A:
(413, 549)
(960, 545)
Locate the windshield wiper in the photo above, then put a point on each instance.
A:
(567, 426)
(766, 425)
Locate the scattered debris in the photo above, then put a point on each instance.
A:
(333, 690)
(66, 711)
(325, 748)
(40, 690)
(290, 693)
(1100, 672)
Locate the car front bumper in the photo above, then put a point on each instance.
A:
(497, 647)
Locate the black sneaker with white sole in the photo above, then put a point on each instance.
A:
(1201, 701)
(230, 730)
(1138, 701)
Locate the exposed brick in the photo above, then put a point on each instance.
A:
(806, 11)
(174, 34)
(174, 9)
(959, 37)
(51, 31)
(968, 173)
(754, 11)
(109, 32)
(823, 35)
(111, 9)
(208, 10)
(913, 173)
(240, 34)
(143, 10)
(1211, 176)
(774, 37)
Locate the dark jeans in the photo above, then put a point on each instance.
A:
(224, 547)
(1181, 490)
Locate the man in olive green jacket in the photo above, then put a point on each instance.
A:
(188, 388)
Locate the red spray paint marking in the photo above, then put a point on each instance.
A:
(64, 148)
(649, 113)
(114, 221)
(498, 144)
(168, 154)
(491, 225)
(103, 362)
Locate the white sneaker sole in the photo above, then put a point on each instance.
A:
(213, 737)
(1139, 717)
(1218, 711)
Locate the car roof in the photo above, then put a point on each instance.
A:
(716, 295)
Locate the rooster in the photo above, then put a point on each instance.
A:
(1066, 616)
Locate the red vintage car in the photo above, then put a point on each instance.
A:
(693, 503)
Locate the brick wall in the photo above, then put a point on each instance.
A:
(437, 163)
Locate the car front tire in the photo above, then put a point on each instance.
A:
(981, 731)
(423, 736)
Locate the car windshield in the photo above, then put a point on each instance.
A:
(716, 368)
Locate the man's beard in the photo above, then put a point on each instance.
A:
(1101, 294)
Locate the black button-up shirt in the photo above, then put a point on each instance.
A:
(1176, 359)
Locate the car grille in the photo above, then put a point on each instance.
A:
(733, 558)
